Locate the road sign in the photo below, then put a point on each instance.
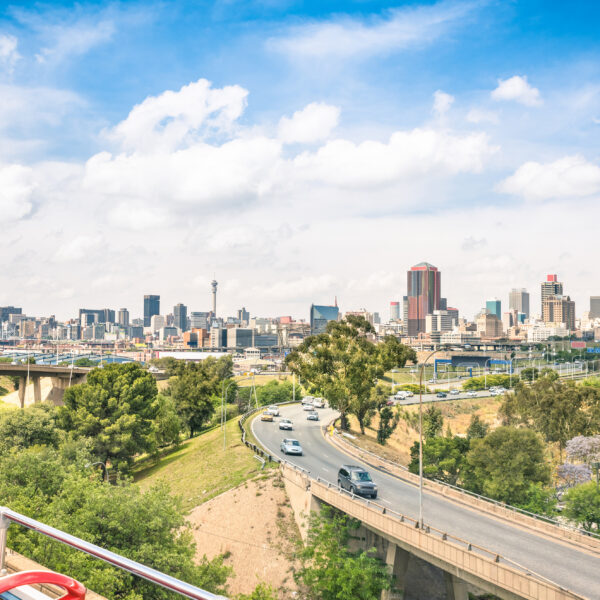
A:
(578, 344)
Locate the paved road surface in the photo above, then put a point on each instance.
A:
(566, 565)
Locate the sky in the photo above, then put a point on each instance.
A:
(296, 152)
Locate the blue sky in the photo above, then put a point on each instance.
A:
(461, 133)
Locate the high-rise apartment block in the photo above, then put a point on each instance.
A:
(151, 308)
(551, 287)
(594, 307)
(180, 316)
(494, 307)
(123, 318)
(394, 311)
(423, 295)
(559, 309)
(320, 316)
(519, 300)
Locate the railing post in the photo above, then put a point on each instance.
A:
(4, 524)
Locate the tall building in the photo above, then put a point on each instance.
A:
(199, 320)
(243, 315)
(213, 285)
(439, 321)
(405, 311)
(5, 311)
(320, 316)
(151, 308)
(123, 318)
(494, 307)
(559, 309)
(594, 307)
(551, 287)
(489, 325)
(519, 300)
(180, 316)
(157, 322)
(394, 311)
(423, 287)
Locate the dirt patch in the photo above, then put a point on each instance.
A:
(254, 526)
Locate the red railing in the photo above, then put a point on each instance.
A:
(74, 589)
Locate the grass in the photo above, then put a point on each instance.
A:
(200, 469)
(261, 379)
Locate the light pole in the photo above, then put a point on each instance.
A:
(421, 436)
(103, 466)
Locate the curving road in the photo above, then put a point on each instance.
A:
(564, 564)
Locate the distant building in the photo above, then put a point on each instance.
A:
(180, 319)
(443, 304)
(519, 300)
(559, 309)
(199, 320)
(6, 311)
(240, 337)
(167, 332)
(494, 307)
(123, 318)
(439, 321)
(394, 311)
(423, 287)
(157, 322)
(551, 287)
(489, 325)
(320, 316)
(405, 312)
(243, 315)
(151, 308)
(594, 307)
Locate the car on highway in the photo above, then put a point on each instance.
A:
(290, 446)
(266, 416)
(308, 407)
(441, 395)
(319, 403)
(471, 393)
(274, 410)
(357, 481)
(454, 392)
(307, 400)
(286, 424)
(312, 416)
(401, 395)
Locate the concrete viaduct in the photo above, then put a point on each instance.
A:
(62, 378)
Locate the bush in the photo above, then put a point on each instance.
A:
(479, 383)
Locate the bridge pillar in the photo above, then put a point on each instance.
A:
(59, 385)
(22, 388)
(37, 390)
(456, 587)
(396, 559)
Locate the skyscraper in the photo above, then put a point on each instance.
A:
(519, 300)
(594, 307)
(394, 311)
(320, 316)
(151, 308)
(213, 285)
(559, 309)
(123, 317)
(551, 287)
(423, 287)
(180, 316)
(494, 307)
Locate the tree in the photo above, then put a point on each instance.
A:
(529, 374)
(433, 422)
(443, 458)
(330, 571)
(387, 424)
(505, 463)
(479, 383)
(344, 365)
(583, 448)
(262, 591)
(34, 425)
(582, 504)
(167, 422)
(274, 392)
(116, 410)
(571, 475)
(477, 428)
(85, 362)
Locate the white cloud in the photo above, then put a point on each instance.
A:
(442, 102)
(8, 52)
(79, 248)
(176, 117)
(517, 88)
(16, 189)
(567, 177)
(313, 123)
(347, 37)
(477, 115)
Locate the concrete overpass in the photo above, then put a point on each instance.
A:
(62, 378)
(471, 544)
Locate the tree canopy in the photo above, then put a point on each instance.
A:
(443, 458)
(343, 365)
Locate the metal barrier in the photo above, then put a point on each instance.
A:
(8, 516)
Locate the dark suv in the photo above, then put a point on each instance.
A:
(357, 481)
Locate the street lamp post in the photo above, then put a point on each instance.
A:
(421, 436)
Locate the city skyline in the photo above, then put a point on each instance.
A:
(246, 163)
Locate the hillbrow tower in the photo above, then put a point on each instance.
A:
(213, 285)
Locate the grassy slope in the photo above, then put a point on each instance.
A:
(199, 469)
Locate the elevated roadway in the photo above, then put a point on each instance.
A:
(572, 567)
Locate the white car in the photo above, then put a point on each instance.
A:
(401, 395)
(318, 403)
(472, 394)
(308, 407)
(274, 410)
(286, 424)
(454, 392)
(307, 400)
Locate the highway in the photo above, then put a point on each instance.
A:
(562, 563)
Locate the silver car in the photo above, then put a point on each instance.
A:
(285, 424)
(312, 416)
(290, 446)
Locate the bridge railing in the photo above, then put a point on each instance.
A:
(8, 516)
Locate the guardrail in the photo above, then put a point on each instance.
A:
(533, 520)
(8, 516)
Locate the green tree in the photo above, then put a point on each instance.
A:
(477, 428)
(529, 374)
(330, 571)
(388, 421)
(443, 458)
(116, 410)
(433, 422)
(168, 425)
(34, 425)
(479, 383)
(582, 504)
(505, 463)
(149, 527)
(274, 392)
(85, 362)
(262, 591)
(344, 365)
